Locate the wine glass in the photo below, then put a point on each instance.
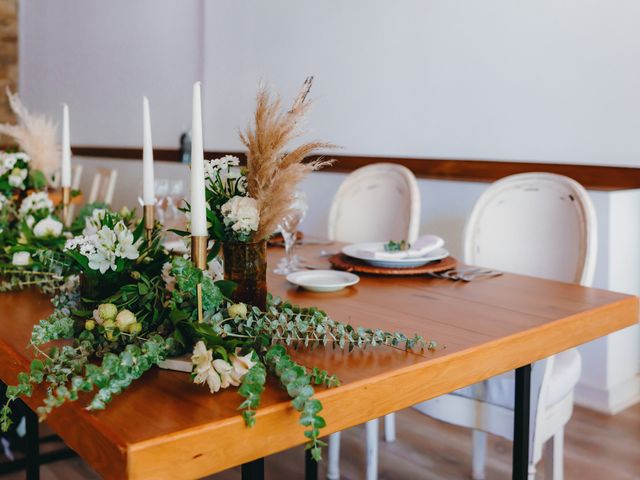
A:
(173, 217)
(161, 188)
(288, 228)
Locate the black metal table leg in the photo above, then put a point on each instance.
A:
(253, 470)
(32, 443)
(521, 423)
(310, 466)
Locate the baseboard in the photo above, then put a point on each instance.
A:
(612, 400)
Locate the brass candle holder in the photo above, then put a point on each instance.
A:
(199, 259)
(66, 201)
(149, 220)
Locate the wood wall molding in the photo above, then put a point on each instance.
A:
(594, 177)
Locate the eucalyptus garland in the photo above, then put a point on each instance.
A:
(135, 306)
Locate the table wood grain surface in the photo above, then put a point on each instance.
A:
(164, 426)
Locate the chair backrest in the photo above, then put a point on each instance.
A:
(378, 202)
(103, 185)
(537, 224)
(76, 172)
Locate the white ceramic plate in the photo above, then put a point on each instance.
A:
(355, 251)
(323, 280)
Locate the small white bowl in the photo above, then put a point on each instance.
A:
(323, 280)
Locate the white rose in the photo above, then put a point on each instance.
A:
(241, 213)
(21, 258)
(48, 227)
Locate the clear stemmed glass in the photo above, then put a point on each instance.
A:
(288, 228)
(161, 187)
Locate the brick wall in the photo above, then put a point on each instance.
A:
(8, 55)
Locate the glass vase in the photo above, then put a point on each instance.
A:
(246, 265)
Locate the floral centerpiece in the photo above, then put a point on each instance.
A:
(135, 305)
(245, 205)
(32, 233)
(145, 311)
(30, 229)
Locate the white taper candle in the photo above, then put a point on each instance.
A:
(198, 201)
(148, 195)
(65, 166)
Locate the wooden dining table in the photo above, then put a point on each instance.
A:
(166, 427)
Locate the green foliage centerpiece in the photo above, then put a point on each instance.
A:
(146, 310)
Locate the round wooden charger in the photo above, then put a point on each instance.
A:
(344, 262)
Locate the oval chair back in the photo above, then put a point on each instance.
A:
(537, 224)
(378, 202)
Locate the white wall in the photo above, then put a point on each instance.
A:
(101, 57)
(540, 81)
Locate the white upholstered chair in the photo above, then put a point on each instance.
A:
(542, 225)
(103, 185)
(379, 202)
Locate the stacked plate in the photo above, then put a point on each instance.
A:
(374, 253)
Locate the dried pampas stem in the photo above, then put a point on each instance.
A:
(273, 174)
(35, 134)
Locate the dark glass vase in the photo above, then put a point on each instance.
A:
(246, 265)
(94, 287)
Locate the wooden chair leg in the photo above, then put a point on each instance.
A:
(372, 449)
(554, 453)
(479, 454)
(390, 428)
(333, 463)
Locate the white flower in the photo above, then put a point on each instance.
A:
(225, 370)
(241, 365)
(241, 214)
(93, 223)
(17, 177)
(203, 370)
(8, 160)
(3, 201)
(125, 247)
(105, 246)
(34, 202)
(169, 280)
(222, 167)
(215, 270)
(48, 227)
(102, 260)
(21, 259)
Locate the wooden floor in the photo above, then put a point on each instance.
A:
(597, 447)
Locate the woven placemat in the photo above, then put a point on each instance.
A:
(341, 261)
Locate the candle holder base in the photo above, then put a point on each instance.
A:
(199, 259)
(66, 201)
(149, 221)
